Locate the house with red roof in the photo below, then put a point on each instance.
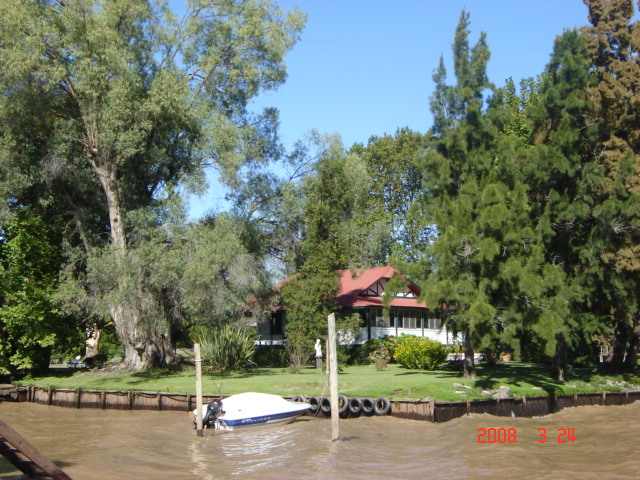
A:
(362, 292)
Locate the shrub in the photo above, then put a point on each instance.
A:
(270, 356)
(381, 351)
(419, 353)
(381, 348)
(226, 347)
(353, 354)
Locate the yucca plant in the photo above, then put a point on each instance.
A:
(226, 347)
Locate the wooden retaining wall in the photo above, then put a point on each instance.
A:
(110, 399)
(426, 409)
(434, 411)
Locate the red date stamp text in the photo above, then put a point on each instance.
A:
(510, 435)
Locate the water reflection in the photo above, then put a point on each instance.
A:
(106, 444)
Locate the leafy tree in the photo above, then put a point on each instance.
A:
(396, 183)
(272, 206)
(220, 272)
(30, 321)
(334, 237)
(130, 101)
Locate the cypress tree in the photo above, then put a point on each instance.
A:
(614, 183)
(555, 170)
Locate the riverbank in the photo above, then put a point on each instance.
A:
(425, 409)
(507, 380)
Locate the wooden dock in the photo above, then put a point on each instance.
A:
(25, 457)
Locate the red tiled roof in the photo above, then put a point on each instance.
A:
(353, 283)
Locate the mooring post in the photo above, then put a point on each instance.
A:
(325, 387)
(196, 351)
(333, 379)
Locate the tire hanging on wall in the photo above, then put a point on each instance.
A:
(325, 405)
(368, 405)
(343, 406)
(315, 404)
(298, 399)
(382, 406)
(355, 406)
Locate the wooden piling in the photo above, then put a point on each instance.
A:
(333, 379)
(198, 360)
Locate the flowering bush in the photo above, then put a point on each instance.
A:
(419, 353)
(381, 350)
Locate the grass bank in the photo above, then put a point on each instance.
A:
(361, 381)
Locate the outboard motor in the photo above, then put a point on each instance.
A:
(214, 409)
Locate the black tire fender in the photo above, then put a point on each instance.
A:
(298, 399)
(355, 406)
(382, 406)
(325, 405)
(367, 406)
(315, 404)
(343, 406)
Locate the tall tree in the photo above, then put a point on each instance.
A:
(614, 47)
(555, 169)
(486, 266)
(335, 236)
(461, 133)
(132, 101)
(396, 183)
(31, 322)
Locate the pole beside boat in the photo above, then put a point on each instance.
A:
(333, 379)
(198, 360)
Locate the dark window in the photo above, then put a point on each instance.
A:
(276, 322)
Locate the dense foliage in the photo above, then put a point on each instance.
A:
(225, 348)
(517, 212)
(110, 107)
(419, 353)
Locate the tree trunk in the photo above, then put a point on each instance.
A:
(469, 367)
(559, 363)
(146, 344)
(631, 360)
(617, 348)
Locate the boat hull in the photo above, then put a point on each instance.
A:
(256, 409)
(274, 419)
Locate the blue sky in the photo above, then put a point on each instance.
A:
(363, 67)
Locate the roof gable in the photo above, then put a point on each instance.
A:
(362, 288)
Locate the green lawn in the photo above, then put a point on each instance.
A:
(360, 381)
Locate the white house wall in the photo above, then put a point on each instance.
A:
(439, 335)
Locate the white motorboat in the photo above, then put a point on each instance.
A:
(250, 409)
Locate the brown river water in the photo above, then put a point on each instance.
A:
(91, 444)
